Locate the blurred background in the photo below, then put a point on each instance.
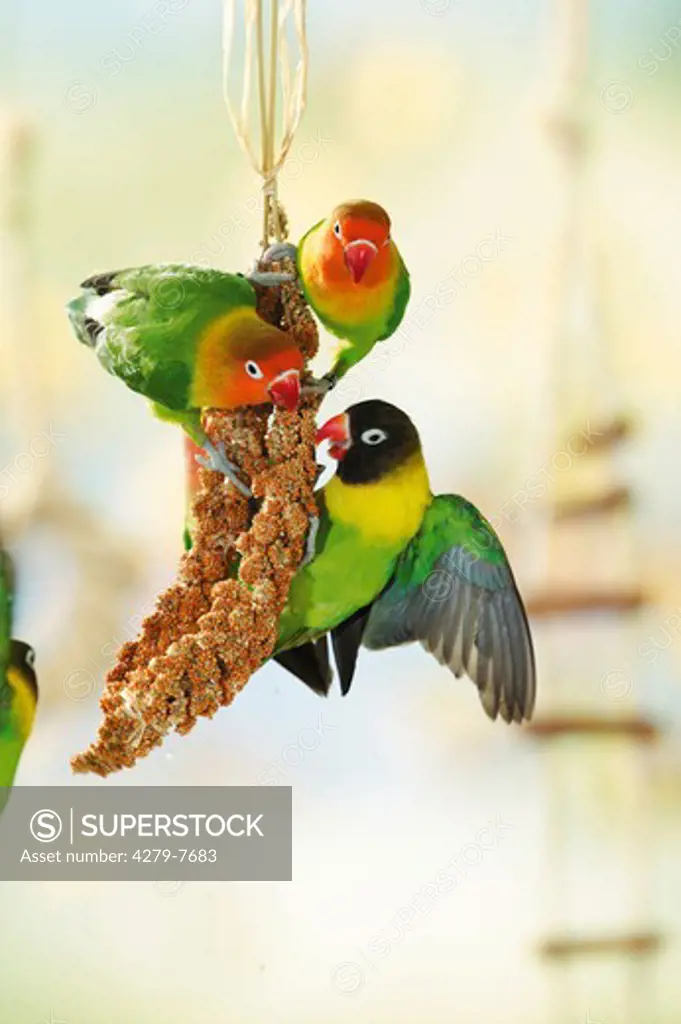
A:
(529, 155)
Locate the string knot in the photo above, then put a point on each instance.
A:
(278, 81)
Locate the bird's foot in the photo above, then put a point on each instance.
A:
(280, 251)
(268, 278)
(274, 254)
(320, 386)
(311, 541)
(216, 459)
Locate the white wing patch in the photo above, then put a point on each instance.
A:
(99, 306)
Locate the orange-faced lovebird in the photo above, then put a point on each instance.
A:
(393, 564)
(353, 277)
(187, 338)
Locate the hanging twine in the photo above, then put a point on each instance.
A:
(219, 621)
(292, 82)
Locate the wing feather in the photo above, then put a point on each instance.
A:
(454, 592)
(145, 323)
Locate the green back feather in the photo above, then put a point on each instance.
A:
(145, 324)
(301, 245)
(402, 295)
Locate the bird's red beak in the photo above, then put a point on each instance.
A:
(359, 256)
(337, 431)
(285, 389)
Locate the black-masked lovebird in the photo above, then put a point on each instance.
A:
(353, 277)
(18, 687)
(187, 338)
(393, 564)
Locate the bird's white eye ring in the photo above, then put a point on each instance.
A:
(253, 370)
(374, 435)
(337, 229)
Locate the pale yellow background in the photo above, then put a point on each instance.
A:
(438, 111)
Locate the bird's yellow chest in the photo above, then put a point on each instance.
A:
(23, 704)
(387, 512)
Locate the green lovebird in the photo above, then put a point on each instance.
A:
(353, 277)
(393, 564)
(18, 687)
(187, 338)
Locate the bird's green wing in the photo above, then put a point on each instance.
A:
(145, 324)
(300, 258)
(301, 246)
(453, 590)
(402, 294)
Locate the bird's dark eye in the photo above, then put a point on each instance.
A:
(253, 370)
(337, 229)
(374, 436)
(30, 657)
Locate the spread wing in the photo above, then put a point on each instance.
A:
(453, 590)
(146, 324)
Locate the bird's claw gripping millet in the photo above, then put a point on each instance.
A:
(311, 542)
(321, 386)
(268, 278)
(216, 459)
(280, 251)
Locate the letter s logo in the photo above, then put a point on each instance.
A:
(45, 826)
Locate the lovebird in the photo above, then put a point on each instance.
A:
(353, 277)
(393, 564)
(18, 687)
(187, 338)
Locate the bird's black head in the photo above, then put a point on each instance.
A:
(369, 440)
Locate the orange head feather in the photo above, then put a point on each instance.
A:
(356, 245)
(246, 361)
